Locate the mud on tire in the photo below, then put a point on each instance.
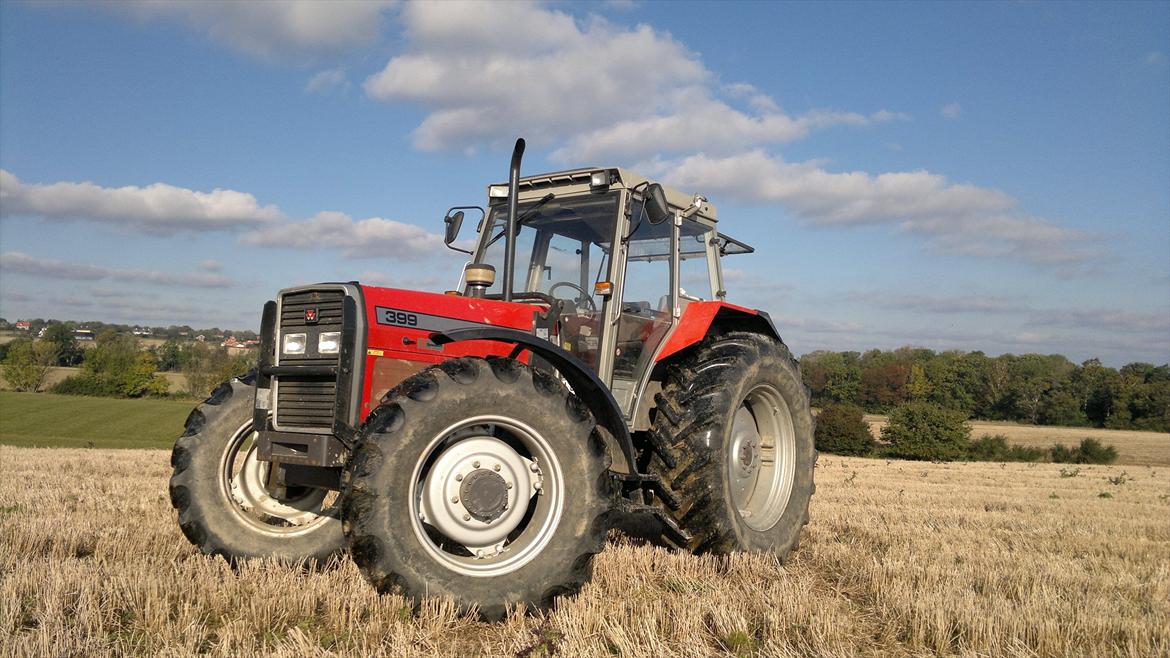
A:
(200, 489)
(693, 442)
(424, 435)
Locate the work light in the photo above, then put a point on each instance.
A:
(293, 344)
(329, 342)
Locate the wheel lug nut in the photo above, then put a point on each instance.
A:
(458, 477)
(466, 517)
(454, 499)
(536, 485)
(475, 464)
(534, 468)
(509, 485)
(496, 467)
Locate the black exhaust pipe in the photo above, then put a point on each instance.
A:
(510, 230)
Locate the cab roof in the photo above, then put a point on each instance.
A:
(535, 185)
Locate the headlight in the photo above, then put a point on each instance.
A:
(329, 342)
(293, 344)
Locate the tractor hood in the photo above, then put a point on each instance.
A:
(400, 323)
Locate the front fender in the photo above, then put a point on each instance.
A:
(585, 383)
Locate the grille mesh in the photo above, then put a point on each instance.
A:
(307, 402)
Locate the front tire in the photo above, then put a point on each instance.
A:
(219, 489)
(479, 480)
(734, 440)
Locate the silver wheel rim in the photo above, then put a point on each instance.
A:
(761, 463)
(244, 481)
(486, 496)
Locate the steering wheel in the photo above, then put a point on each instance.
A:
(583, 298)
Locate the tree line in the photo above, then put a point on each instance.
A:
(117, 365)
(1029, 388)
(171, 331)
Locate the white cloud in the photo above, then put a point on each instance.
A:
(707, 125)
(1155, 58)
(374, 237)
(162, 209)
(22, 263)
(272, 27)
(159, 208)
(490, 71)
(973, 303)
(956, 218)
(952, 110)
(407, 281)
(327, 80)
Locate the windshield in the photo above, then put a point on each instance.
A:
(562, 246)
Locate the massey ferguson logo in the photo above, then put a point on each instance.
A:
(310, 316)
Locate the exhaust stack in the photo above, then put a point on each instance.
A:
(510, 230)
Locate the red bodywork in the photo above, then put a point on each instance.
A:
(696, 321)
(394, 351)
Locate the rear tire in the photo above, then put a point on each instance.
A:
(490, 438)
(733, 436)
(218, 489)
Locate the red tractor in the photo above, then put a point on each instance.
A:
(480, 444)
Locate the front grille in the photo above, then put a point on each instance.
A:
(305, 403)
(308, 402)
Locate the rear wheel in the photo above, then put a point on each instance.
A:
(734, 439)
(223, 492)
(481, 480)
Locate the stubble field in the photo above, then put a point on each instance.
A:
(900, 559)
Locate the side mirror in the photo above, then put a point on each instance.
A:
(453, 224)
(657, 210)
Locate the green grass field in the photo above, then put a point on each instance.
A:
(47, 420)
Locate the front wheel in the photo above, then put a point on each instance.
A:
(226, 501)
(480, 480)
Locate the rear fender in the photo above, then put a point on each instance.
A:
(702, 319)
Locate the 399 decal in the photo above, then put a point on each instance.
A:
(422, 321)
(401, 318)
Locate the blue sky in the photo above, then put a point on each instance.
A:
(972, 176)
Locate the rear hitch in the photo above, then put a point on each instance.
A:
(635, 514)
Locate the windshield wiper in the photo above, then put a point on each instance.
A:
(528, 214)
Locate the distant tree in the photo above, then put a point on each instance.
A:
(113, 353)
(116, 366)
(1147, 398)
(885, 385)
(27, 363)
(199, 368)
(832, 376)
(842, 430)
(1090, 451)
(919, 386)
(142, 379)
(1062, 406)
(69, 352)
(170, 356)
(205, 366)
(921, 430)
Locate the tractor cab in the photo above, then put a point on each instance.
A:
(614, 257)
